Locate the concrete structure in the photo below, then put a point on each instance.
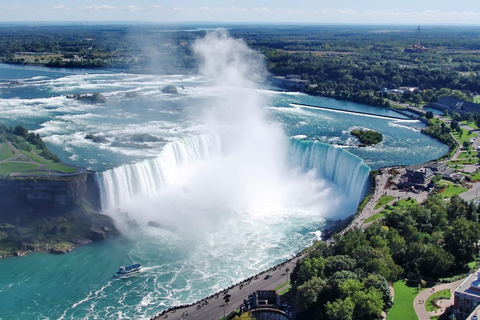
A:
(291, 82)
(453, 104)
(467, 296)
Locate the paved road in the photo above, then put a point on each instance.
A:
(473, 193)
(421, 298)
(216, 307)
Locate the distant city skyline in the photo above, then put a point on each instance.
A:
(461, 12)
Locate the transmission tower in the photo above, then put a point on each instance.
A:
(418, 36)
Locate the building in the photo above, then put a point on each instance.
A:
(418, 175)
(453, 104)
(467, 296)
(291, 82)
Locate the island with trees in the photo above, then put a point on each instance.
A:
(367, 137)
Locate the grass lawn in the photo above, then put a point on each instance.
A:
(35, 157)
(281, 286)
(383, 201)
(466, 154)
(470, 124)
(12, 167)
(49, 164)
(403, 302)
(451, 189)
(376, 216)
(5, 152)
(475, 176)
(465, 136)
(440, 294)
(404, 203)
(60, 167)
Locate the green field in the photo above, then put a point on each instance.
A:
(5, 152)
(468, 154)
(443, 294)
(466, 136)
(451, 189)
(49, 164)
(12, 167)
(376, 216)
(383, 201)
(403, 302)
(472, 125)
(404, 203)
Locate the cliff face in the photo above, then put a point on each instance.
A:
(26, 199)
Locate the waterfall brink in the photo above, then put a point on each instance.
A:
(148, 177)
(332, 163)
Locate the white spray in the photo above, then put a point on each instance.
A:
(242, 173)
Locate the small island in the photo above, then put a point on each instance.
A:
(170, 89)
(367, 137)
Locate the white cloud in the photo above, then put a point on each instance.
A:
(12, 7)
(104, 7)
(60, 7)
(132, 8)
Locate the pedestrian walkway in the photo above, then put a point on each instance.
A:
(421, 298)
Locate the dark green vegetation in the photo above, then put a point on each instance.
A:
(367, 137)
(23, 152)
(348, 280)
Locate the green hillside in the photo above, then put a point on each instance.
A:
(24, 154)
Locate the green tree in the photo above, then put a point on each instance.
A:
(340, 309)
(244, 316)
(308, 293)
(461, 240)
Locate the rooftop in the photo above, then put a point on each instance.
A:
(471, 285)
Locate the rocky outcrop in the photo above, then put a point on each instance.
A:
(25, 198)
(98, 235)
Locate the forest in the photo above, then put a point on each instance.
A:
(349, 279)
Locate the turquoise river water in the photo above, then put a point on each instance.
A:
(237, 189)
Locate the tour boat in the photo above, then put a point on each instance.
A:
(124, 272)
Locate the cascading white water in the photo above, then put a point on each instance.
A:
(332, 163)
(148, 177)
(122, 184)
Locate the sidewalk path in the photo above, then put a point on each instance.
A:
(216, 307)
(420, 310)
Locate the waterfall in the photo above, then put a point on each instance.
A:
(148, 177)
(332, 163)
(120, 184)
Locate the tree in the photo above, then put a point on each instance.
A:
(429, 115)
(308, 293)
(338, 263)
(20, 131)
(340, 309)
(244, 316)
(436, 261)
(461, 240)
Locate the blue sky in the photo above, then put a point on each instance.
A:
(308, 11)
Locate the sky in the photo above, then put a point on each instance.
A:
(418, 12)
